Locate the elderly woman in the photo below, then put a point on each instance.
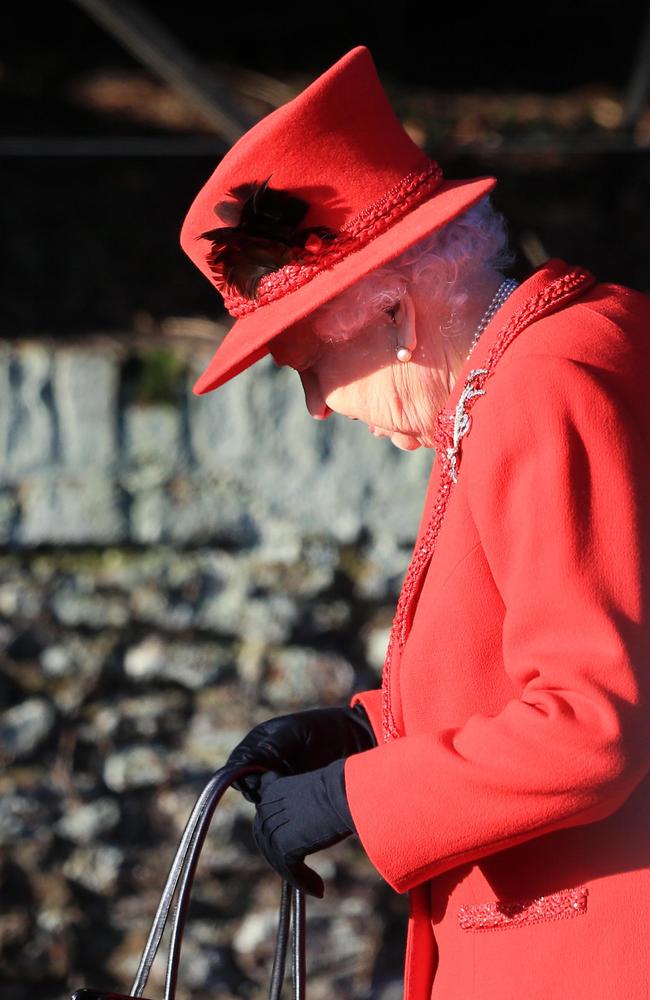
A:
(500, 774)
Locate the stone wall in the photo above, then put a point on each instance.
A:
(175, 569)
(103, 445)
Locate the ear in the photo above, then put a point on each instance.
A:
(405, 322)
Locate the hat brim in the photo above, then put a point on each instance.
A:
(248, 338)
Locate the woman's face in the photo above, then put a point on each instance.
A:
(361, 378)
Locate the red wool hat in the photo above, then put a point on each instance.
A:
(314, 196)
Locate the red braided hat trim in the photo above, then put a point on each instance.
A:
(407, 194)
(533, 308)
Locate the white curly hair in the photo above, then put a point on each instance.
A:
(449, 263)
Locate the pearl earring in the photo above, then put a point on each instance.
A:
(401, 353)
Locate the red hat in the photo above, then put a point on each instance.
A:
(314, 196)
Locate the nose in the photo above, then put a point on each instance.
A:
(314, 400)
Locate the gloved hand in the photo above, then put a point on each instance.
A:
(298, 815)
(303, 741)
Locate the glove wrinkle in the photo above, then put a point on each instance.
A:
(311, 816)
(267, 818)
(276, 828)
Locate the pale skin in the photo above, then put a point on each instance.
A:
(362, 379)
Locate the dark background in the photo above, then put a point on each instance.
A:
(549, 47)
(91, 241)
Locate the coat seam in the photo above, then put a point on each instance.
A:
(461, 560)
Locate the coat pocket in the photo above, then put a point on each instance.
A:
(499, 914)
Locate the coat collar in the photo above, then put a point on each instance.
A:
(533, 285)
(548, 289)
(541, 278)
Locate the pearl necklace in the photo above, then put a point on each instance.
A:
(503, 291)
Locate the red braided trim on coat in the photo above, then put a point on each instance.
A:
(500, 914)
(534, 308)
(403, 197)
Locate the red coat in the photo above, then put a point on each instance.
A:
(509, 794)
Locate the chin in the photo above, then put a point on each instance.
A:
(405, 442)
(412, 446)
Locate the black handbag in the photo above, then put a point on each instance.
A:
(181, 875)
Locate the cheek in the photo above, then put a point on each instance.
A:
(422, 393)
(367, 396)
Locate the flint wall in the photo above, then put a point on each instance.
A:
(175, 569)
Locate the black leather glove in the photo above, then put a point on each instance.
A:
(303, 741)
(298, 815)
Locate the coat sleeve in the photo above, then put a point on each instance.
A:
(558, 483)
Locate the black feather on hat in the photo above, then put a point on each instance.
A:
(262, 237)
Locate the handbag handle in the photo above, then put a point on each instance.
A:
(183, 868)
(191, 857)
